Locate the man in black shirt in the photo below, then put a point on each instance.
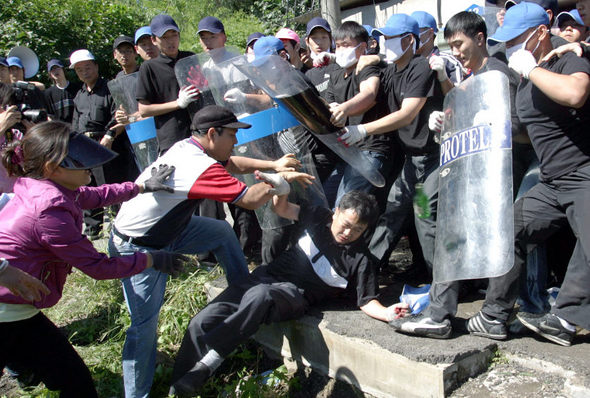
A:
(358, 98)
(328, 260)
(60, 96)
(412, 94)
(158, 92)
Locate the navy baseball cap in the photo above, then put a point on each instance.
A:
(210, 24)
(519, 19)
(122, 39)
(569, 15)
(52, 63)
(318, 22)
(141, 32)
(15, 61)
(163, 23)
(253, 37)
(425, 20)
(546, 4)
(398, 24)
(216, 116)
(3, 61)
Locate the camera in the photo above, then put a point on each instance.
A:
(27, 102)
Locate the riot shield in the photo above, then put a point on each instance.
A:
(287, 87)
(142, 133)
(475, 223)
(216, 74)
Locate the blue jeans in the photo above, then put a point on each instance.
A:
(144, 293)
(352, 180)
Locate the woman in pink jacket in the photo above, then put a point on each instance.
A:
(40, 234)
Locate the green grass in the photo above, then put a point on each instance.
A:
(94, 317)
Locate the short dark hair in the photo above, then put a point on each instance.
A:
(363, 204)
(468, 23)
(351, 30)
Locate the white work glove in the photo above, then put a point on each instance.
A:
(437, 64)
(523, 62)
(435, 121)
(280, 186)
(186, 95)
(352, 134)
(234, 95)
(322, 59)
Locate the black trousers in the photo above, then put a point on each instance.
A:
(36, 346)
(235, 315)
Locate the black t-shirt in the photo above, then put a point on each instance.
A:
(416, 80)
(320, 77)
(559, 133)
(341, 88)
(60, 102)
(95, 109)
(349, 261)
(513, 81)
(157, 84)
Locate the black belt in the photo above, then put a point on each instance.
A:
(140, 241)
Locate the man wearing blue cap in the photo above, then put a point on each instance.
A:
(571, 27)
(158, 92)
(60, 96)
(413, 94)
(552, 103)
(319, 42)
(143, 44)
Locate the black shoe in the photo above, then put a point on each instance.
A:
(422, 325)
(548, 326)
(481, 325)
(191, 382)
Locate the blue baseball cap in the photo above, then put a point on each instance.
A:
(519, 19)
(317, 22)
(52, 63)
(425, 20)
(546, 4)
(371, 31)
(3, 61)
(569, 15)
(210, 24)
(253, 37)
(267, 45)
(163, 23)
(398, 24)
(141, 32)
(15, 61)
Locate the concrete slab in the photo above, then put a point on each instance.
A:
(342, 342)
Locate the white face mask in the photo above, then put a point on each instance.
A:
(346, 57)
(521, 46)
(393, 48)
(250, 57)
(424, 41)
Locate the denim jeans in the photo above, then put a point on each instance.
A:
(352, 180)
(144, 293)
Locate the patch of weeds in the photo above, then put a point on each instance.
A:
(499, 358)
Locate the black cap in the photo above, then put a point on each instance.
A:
(52, 63)
(3, 61)
(252, 38)
(123, 39)
(216, 116)
(210, 24)
(85, 153)
(318, 22)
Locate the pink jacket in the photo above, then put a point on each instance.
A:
(40, 233)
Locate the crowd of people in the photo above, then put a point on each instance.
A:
(384, 89)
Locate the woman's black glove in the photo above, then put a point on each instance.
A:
(156, 181)
(168, 262)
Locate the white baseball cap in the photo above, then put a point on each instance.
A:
(79, 56)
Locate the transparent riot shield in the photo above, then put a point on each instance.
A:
(287, 87)
(141, 133)
(475, 222)
(268, 138)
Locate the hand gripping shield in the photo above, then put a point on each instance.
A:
(475, 224)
